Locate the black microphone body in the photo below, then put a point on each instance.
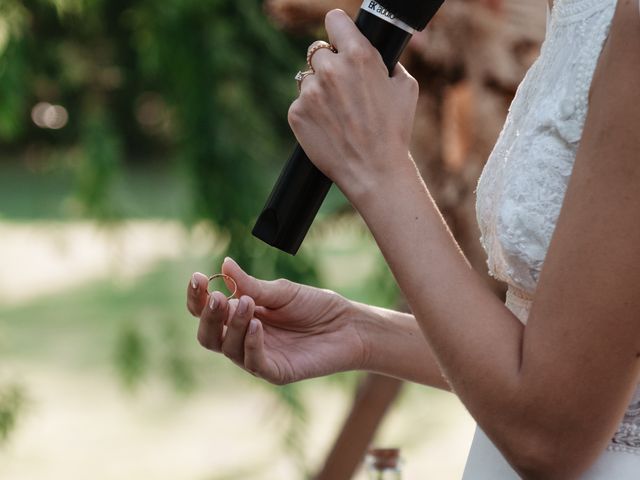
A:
(301, 187)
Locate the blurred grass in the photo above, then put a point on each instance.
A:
(83, 332)
(137, 332)
(77, 333)
(79, 327)
(146, 191)
(141, 325)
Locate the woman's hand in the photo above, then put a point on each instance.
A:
(278, 330)
(352, 119)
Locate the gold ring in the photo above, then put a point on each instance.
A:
(315, 46)
(222, 275)
(300, 76)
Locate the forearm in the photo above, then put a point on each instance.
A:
(396, 347)
(475, 338)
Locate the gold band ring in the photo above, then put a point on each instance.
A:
(222, 275)
(300, 76)
(315, 46)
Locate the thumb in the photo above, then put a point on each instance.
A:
(268, 293)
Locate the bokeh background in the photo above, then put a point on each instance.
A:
(139, 140)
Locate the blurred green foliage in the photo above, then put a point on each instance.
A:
(202, 84)
(131, 356)
(196, 87)
(12, 403)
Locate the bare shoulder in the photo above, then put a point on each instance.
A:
(584, 326)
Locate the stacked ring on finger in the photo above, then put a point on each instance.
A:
(314, 47)
(300, 76)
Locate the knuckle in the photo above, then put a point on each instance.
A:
(251, 366)
(332, 295)
(312, 93)
(205, 341)
(280, 382)
(334, 298)
(329, 73)
(359, 53)
(295, 114)
(234, 324)
(413, 85)
(227, 351)
(283, 284)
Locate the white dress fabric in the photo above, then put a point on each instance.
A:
(520, 193)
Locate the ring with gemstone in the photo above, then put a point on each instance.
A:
(315, 46)
(226, 277)
(300, 76)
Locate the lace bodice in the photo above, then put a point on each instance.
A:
(522, 186)
(521, 189)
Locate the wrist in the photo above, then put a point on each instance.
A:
(393, 345)
(400, 166)
(370, 328)
(381, 185)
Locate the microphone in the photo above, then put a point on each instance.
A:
(301, 187)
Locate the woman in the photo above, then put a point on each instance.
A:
(550, 376)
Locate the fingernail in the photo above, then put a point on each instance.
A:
(243, 305)
(253, 326)
(194, 282)
(212, 302)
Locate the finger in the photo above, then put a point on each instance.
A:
(343, 33)
(306, 81)
(233, 304)
(197, 293)
(212, 322)
(255, 358)
(233, 343)
(268, 293)
(322, 59)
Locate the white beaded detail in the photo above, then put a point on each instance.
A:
(522, 187)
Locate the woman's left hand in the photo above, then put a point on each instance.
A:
(352, 119)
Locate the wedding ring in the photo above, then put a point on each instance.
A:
(227, 277)
(315, 46)
(300, 76)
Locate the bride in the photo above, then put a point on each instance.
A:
(551, 375)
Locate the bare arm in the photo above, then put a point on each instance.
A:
(526, 388)
(395, 346)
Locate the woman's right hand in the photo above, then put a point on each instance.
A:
(278, 330)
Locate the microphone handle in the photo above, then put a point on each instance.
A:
(301, 187)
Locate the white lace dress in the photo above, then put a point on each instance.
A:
(520, 193)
